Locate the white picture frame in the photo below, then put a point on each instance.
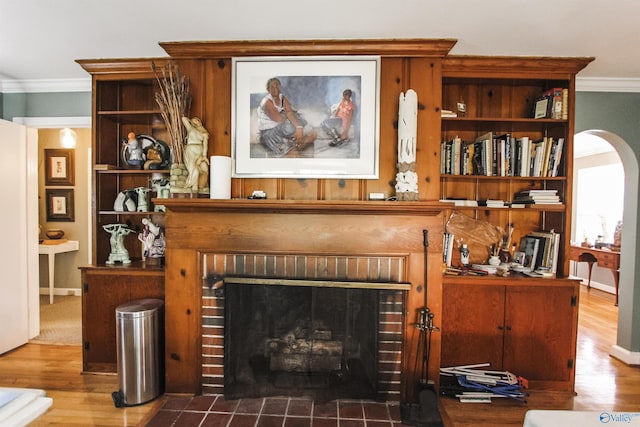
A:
(312, 84)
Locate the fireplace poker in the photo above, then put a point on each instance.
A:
(426, 413)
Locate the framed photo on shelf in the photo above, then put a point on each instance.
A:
(334, 131)
(59, 167)
(60, 204)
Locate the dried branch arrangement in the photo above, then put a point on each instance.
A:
(174, 101)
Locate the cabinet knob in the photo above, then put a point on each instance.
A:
(500, 328)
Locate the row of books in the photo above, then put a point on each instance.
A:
(502, 155)
(552, 104)
(539, 251)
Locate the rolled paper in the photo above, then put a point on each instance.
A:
(220, 182)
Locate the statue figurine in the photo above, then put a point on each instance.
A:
(143, 205)
(132, 150)
(161, 187)
(118, 252)
(153, 241)
(195, 155)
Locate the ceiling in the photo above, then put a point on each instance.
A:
(41, 39)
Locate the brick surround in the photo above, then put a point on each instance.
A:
(374, 269)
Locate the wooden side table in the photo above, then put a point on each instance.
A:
(50, 251)
(603, 257)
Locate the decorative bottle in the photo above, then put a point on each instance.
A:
(464, 255)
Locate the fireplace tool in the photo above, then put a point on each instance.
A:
(425, 413)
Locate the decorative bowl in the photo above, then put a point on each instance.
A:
(55, 233)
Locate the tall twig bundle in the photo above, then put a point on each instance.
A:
(174, 101)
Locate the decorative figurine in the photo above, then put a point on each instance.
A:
(118, 252)
(617, 237)
(195, 155)
(161, 187)
(126, 201)
(153, 241)
(132, 152)
(407, 178)
(143, 204)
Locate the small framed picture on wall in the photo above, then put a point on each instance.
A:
(59, 167)
(60, 205)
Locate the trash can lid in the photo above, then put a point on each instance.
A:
(139, 308)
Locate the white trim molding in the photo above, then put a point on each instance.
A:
(76, 292)
(45, 85)
(603, 84)
(625, 356)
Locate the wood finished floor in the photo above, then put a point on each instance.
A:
(602, 382)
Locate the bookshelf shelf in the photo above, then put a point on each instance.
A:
(502, 102)
(502, 120)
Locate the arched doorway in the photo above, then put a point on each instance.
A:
(628, 252)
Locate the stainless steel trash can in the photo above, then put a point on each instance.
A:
(140, 351)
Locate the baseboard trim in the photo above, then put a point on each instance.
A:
(596, 285)
(62, 291)
(625, 356)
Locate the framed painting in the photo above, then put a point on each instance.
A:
(60, 205)
(305, 117)
(59, 167)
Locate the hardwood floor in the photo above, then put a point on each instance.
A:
(602, 383)
(78, 399)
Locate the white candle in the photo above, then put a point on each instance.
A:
(220, 168)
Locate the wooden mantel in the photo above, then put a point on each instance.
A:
(329, 207)
(199, 226)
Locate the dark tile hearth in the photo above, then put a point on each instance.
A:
(215, 411)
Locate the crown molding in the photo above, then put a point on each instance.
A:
(583, 84)
(604, 84)
(45, 85)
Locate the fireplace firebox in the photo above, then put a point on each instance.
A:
(319, 341)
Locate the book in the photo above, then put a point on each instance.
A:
(485, 142)
(557, 103)
(524, 155)
(529, 246)
(557, 157)
(541, 106)
(565, 104)
(447, 245)
(456, 147)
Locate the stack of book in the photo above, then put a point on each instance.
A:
(537, 197)
(540, 249)
(493, 203)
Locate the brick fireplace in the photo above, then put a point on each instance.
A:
(381, 244)
(373, 284)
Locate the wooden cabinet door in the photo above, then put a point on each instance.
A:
(539, 332)
(102, 294)
(472, 324)
(146, 287)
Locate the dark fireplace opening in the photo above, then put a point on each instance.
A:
(284, 340)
